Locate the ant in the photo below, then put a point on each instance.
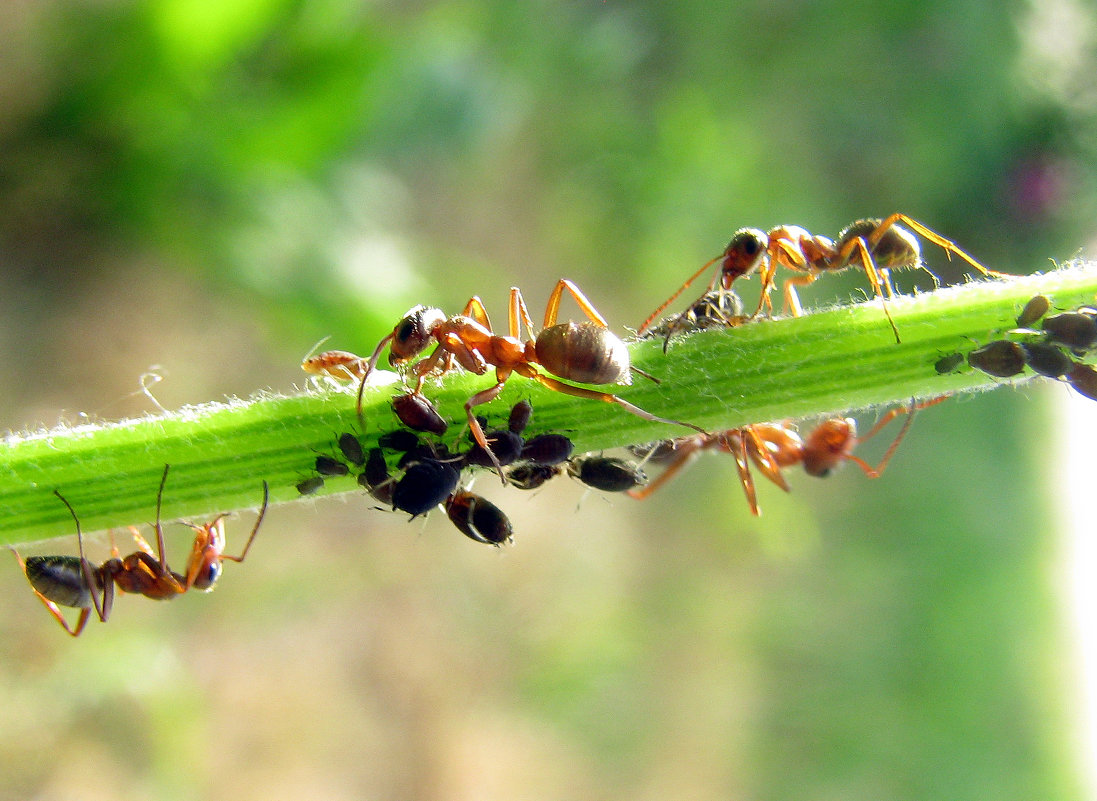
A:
(75, 582)
(586, 352)
(874, 244)
(774, 446)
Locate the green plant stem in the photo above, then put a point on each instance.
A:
(828, 362)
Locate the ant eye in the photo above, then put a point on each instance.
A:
(207, 579)
(407, 329)
(747, 243)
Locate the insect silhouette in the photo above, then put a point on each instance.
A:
(73, 581)
(586, 352)
(875, 245)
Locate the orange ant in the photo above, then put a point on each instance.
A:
(75, 582)
(586, 352)
(774, 446)
(876, 245)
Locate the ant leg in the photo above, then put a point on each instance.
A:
(485, 396)
(475, 309)
(255, 529)
(788, 289)
(735, 446)
(880, 280)
(767, 272)
(553, 307)
(687, 452)
(519, 314)
(582, 392)
(756, 448)
(142, 543)
(946, 245)
(875, 472)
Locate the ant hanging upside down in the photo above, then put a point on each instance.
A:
(75, 582)
(586, 352)
(774, 446)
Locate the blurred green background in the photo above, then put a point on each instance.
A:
(211, 188)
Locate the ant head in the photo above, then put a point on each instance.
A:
(828, 445)
(413, 333)
(743, 254)
(207, 575)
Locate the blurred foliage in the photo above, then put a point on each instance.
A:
(175, 175)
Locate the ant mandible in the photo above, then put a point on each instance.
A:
(774, 446)
(876, 245)
(75, 582)
(585, 352)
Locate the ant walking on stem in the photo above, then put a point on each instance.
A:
(73, 581)
(774, 446)
(586, 352)
(876, 245)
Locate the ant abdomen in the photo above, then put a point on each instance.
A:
(60, 579)
(584, 352)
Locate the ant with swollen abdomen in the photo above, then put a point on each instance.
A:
(772, 447)
(875, 245)
(585, 352)
(73, 581)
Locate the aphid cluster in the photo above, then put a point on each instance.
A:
(76, 582)
(1053, 350)
(429, 472)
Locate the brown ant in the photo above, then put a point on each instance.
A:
(75, 582)
(875, 245)
(586, 352)
(772, 447)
